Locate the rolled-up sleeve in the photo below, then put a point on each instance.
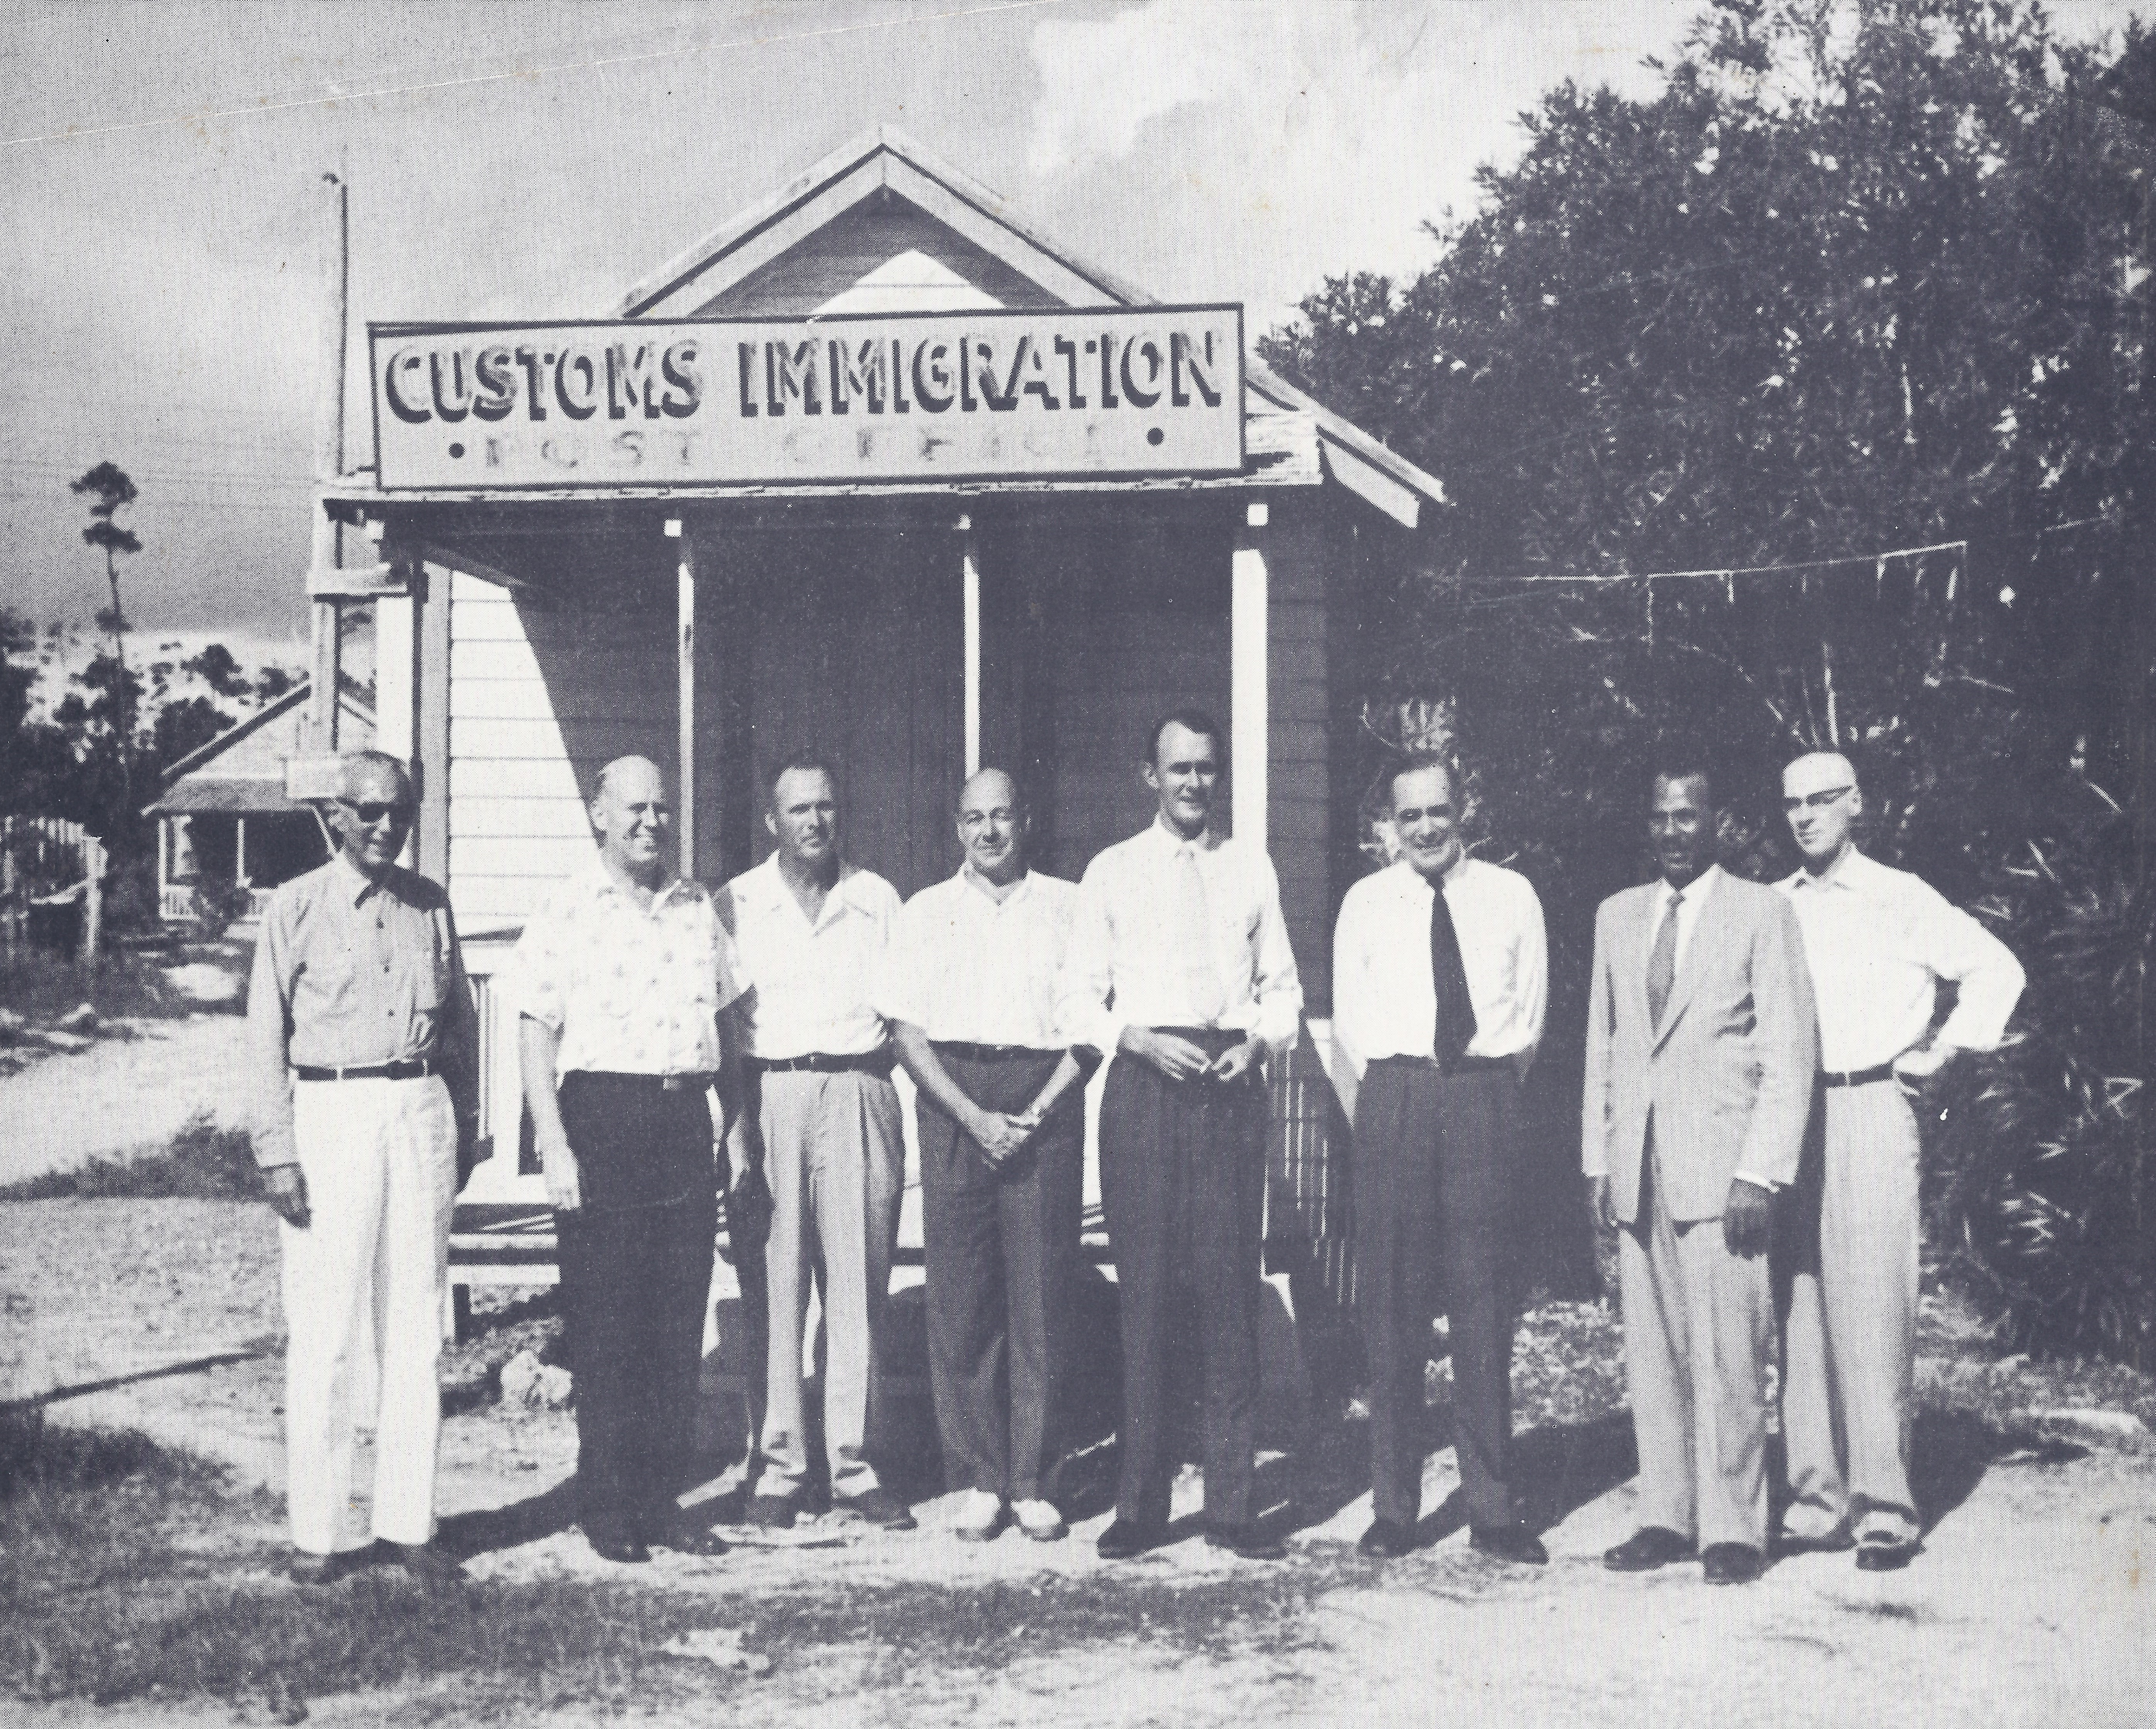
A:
(268, 1031)
(1083, 1015)
(1531, 973)
(1988, 980)
(1275, 984)
(899, 992)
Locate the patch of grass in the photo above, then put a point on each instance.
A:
(42, 987)
(129, 1570)
(201, 1163)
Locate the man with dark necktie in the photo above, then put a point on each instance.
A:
(1179, 967)
(1440, 977)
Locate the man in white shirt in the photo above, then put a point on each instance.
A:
(969, 990)
(619, 979)
(824, 1122)
(1439, 977)
(1878, 942)
(1702, 1047)
(1179, 968)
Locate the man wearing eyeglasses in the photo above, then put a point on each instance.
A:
(1878, 942)
(364, 1042)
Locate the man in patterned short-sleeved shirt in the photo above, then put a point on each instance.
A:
(619, 979)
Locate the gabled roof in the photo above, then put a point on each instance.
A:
(1011, 261)
(193, 783)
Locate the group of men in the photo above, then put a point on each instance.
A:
(660, 1020)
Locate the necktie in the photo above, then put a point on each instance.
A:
(1447, 978)
(1190, 920)
(1662, 963)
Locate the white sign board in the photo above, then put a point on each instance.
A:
(1154, 390)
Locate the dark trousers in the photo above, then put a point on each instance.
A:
(1434, 1159)
(1183, 1178)
(1000, 1242)
(636, 1272)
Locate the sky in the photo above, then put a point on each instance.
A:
(162, 218)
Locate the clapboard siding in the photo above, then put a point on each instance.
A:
(539, 700)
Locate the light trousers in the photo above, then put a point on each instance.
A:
(380, 1160)
(1699, 1322)
(1850, 1333)
(834, 1156)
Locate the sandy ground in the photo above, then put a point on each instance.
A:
(2031, 1604)
(134, 1085)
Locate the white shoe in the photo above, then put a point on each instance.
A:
(1039, 1521)
(979, 1517)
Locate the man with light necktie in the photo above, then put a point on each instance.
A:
(1179, 967)
(1440, 977)
(1701, 1045)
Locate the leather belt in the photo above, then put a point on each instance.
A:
(1458, 1065)
(989, 1053)
(417, 1069)
(817, 1062)
(1857, 1077)
(692, 1081)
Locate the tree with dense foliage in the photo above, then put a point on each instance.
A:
(1863, 276)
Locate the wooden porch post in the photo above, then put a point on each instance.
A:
(430, 750)
(1250, 717)
(684, 682)
(971, 557)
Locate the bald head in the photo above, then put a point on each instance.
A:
(992, 825)
(372, 815)
(632, 819)
(1822, 802)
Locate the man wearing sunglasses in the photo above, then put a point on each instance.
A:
(1878, 942)
(364, 1042)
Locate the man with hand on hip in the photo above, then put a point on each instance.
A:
(1439, 977)
(1701, 1046)
(1879, 941)
(365, 1045)
(619, 979)
(823, 1120)
(969, 990)
(1180, 969)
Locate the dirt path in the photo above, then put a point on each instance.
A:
(2030, 1604)
(134, 1085)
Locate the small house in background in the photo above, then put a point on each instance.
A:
(223, 818)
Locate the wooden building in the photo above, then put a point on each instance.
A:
(224, 817)
(949, 495)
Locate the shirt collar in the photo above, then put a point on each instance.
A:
(975, 883)
(1853, 870)
(775, 893)
(601, 881)
(353, 883)
(1170, 841)
(1695, 892)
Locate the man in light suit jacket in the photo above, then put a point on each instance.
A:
(1701, 1045)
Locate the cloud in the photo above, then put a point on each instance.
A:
(1294, 140)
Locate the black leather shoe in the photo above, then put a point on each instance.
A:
(1885, 1554)
(1125, 1539)
(685, 1536)
(879, 1506)
(1386, 1540)
(308, 1569)
(1835, 1542)
(424, 1562)
(1248, 1540)
(1650, 1546)
(629, 1550)
(1508, 1542)
(1732, 1563)
(769, 1512)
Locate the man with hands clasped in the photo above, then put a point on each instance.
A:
(1180, 969)
(968, 987)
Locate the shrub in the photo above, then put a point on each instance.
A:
(2041, 1161)
(203, 1163)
